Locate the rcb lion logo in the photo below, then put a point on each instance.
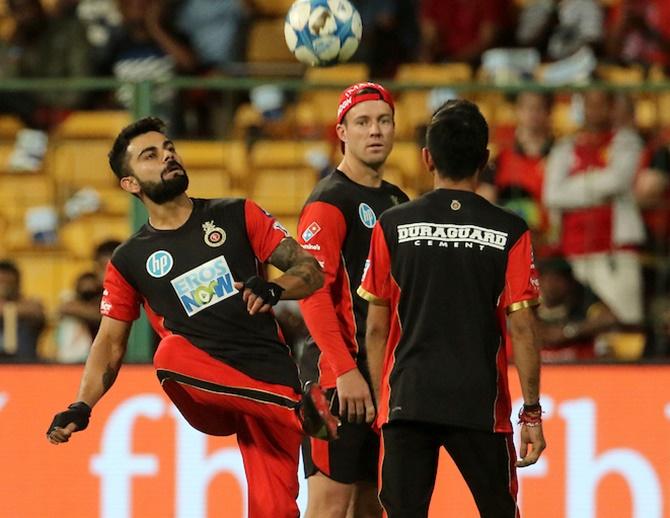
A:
(214, 236)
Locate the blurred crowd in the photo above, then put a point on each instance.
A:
(158, 39)
(597, 201)
(23, 319)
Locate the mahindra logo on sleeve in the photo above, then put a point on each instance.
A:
(451, 235)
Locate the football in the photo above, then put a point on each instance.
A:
(323, 32)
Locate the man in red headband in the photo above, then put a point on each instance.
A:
(336, 225)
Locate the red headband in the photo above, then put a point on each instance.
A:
(352, 96)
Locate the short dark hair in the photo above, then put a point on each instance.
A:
(86, 276)
(10, 266)
(106, 248)
(457, 139)
(118, 158)
(556, 264)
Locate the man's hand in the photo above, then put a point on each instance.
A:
(259, 294)
(354, 397)
(59, 435)
(64, 424)
(530, 436)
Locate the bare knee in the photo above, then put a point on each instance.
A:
(327, 498)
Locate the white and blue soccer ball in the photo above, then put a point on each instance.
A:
(323, 32)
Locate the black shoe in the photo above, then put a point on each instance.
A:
(314, 412)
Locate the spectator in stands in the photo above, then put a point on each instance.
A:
(560, 28)
(657, 342)
(652, 192)
(147, 47)
(639, 32)
(514, 179)
(218, 33)
(217, 30)
(391, 34)
(461, 30)
(22, 319)
(571, 317)
(623, 111)
(80, 315)
(100, 18)
(103, 254)
(589, 184)
(41, 45)
(79, 319)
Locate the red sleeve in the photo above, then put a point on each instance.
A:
(264, 231)
(376, 281)
(120, 300)
(522, 288)
(321, 231)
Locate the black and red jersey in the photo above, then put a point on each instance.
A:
(335, 226)
(452, 266)
(184, 278)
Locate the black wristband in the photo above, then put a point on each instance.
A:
(78, 413)
(532, 408)
(270, 292)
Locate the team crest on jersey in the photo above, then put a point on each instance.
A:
(312, 230)
(159, 264)
(455, 205)
(367, 215)
(214, 236)
(204, 285)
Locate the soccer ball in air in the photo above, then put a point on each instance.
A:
(323, 32)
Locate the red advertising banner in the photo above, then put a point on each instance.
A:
(607, 429)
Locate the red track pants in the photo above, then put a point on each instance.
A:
(220, 400)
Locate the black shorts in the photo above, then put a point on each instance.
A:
(353, 457)
(410, 452)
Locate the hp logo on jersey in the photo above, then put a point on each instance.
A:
(367, 215)
(159, 264)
